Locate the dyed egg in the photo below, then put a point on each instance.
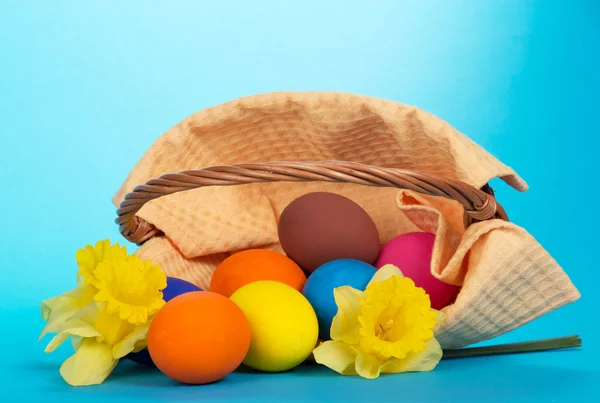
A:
(318, 289)
(253, 265)
(199, 337)
(411, 253)
(284, 325)
(317, 228)
(175, 286)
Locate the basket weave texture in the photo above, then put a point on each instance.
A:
(410, 170)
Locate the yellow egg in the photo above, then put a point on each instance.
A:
(283, 325)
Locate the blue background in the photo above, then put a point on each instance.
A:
(87, 86)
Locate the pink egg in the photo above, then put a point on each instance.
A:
(411, 253)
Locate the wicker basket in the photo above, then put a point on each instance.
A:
(479, 204)
(361, 142)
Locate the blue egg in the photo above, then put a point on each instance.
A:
(318, 289)
(175, 287)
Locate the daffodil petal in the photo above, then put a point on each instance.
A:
(76, 342)
(368, 366)
(345, 325)
(384, 273)
(47, 306)
(80, 324)
(439, 320)
(111, 326)
(59, 309)
(56, 341)
(90, 365)
(337, 356)
(77, 327)
(57, 317)
(82, 329)
(52, 305)
(89, 314)
(424, 361)
(90, 256)
(130, 342)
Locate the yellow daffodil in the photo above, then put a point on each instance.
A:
(131, 288)
(388, 328)
(89, 258)
(58, 309)
(100, 339)
(107, 316)
(55, 311)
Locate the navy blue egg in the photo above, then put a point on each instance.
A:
(141, 357)
(318, 289)
(175, 287)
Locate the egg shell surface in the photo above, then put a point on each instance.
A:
(284, 325)
(320, 227)
(251, 265)
(321, 283)
(411, 253)
(175, 287)
(199, 337)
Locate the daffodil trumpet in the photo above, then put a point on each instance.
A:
(107, 315)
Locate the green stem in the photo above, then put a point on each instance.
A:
(513, 348)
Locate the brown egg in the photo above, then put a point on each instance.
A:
(317, 228)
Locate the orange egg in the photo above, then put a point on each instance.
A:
(255, 265)
(199, 337)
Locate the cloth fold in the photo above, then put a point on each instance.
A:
(507, 278)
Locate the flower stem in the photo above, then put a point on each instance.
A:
(513, 348)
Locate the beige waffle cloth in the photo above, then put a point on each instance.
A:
(507, 278)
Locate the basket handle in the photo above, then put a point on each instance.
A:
(479, 204)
